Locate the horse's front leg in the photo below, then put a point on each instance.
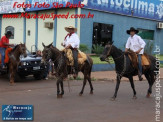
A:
(116, 88)
(60, 83)
(12, 76)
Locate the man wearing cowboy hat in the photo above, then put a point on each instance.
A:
(72, 42)
(136, 44)
(4, 43)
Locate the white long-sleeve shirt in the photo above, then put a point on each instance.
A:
(72, 40)
(135, 43)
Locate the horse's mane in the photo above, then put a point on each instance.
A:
(119, 50)
(14, 48)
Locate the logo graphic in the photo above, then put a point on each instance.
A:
(9, 110)
(17, 112)
(160, 10)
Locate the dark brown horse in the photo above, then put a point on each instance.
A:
(14, 60)
(124, 68)
(62, 69)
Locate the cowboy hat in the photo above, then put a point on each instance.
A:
(9, 33)
(70, 29)
(132, 29)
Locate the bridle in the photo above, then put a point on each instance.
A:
(109, 54)
(124, 69)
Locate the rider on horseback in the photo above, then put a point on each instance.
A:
(72, 42)
(4, 44)
(136, 44)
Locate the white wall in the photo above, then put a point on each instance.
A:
(62, 23)
(45, 35)
(17, 23)
(31, 26)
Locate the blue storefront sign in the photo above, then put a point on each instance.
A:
(151, 9)
(17, 112)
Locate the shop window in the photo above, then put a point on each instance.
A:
(10, 28)
(146, 34)
(102, 33)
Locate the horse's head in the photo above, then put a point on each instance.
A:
(107, 51)
(22, 49)
(46, 53)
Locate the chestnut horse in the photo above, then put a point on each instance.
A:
(62, 69)
(14, 60)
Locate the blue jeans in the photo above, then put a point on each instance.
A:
(140, 65)
(2, 51)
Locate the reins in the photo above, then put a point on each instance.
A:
(124, 69)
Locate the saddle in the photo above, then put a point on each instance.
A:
(82, 57)
(134, 59)
(8, 50)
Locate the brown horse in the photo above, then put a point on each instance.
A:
(14, 60)
(62, 69)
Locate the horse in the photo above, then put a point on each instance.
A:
(124, 68)
(63, 70)
(14, 60)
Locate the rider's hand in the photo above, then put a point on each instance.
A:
(12, 45)
(126, 50)
(138, 51)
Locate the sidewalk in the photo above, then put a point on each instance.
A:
(111, 75)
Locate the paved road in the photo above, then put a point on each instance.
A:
(73, 108)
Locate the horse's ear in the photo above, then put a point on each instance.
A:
(50, 45)
(43, 44)
(110, 42)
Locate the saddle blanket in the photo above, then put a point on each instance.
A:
(82, 57)
(134, 59)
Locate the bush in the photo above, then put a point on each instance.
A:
(84, 48)
(98, 49)
(149, 47)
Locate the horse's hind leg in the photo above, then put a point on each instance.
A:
(84, 83)
(62, 89)
(133, 87)
(117, 87)
(90, 83)
(150, 78)
(58, 89)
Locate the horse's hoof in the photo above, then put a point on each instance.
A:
(12, 84)
(80, 94)
(134, 97)
(91, 92)
(59, 96)
(112, 99)
(148, 95)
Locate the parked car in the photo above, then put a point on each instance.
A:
(31, 65)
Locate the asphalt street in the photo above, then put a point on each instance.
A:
(87, 108)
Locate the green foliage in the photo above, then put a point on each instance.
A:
(98, 49)
(149, 47)
(84, 48)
